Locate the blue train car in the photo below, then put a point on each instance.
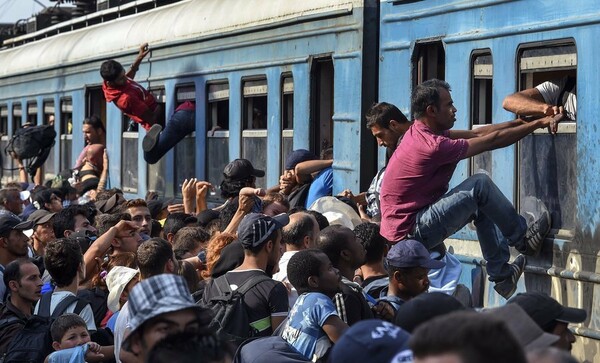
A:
(267, 77)
(487, 50)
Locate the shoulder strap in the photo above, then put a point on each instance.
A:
(63, 305)
(45, 300)
(6, 322)
(251, 282)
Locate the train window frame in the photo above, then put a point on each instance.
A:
(481, 76)
(254, 137)
(66, 133)
(7, 162)
(32, 113)
(155, 180)
(218, 98)
(420, 71)
(184, 92)
(531, 73)
(287, 116)
(50, 168)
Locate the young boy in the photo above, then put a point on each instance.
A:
(71, 340)
(313, 323)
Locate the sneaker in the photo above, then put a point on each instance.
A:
(538, 226)
(151, 137)
(507, 287)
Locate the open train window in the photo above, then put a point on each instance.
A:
(4, 120)
(17, 119)
(32, 111)
(185, 150)
(481, 104)
(428, 62)
(66, 133)
(287, 118)
(156, 172)
(95, 103)
(321, 96)
(254, 131)
(50, 166)
(217, 135)
(7, 162)
(548, 163)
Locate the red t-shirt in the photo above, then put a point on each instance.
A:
(132, 99)
(417, 175)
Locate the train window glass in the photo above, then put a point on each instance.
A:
(217, 136)
(322, 104)
(287, 118)
(50, 167)
(429, 61)
(156, 172)
(185, 150)
(548, 163)
(95, 103)
(32, 111)
(481, 105)
(254, 132)
(17, 116)
(66, 133)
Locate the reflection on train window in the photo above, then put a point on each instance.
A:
(17, 116)
(185, 150)
(287, 118)
(547, 163)
(481, 105)
(66, 133)
(156, 172)
(217, 135)
(50, 166)
(32, 111)
(254, 132)
(322, 104)
(428, 62)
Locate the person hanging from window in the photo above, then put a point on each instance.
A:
(141, 106)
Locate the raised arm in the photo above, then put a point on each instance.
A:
(529, 102)
(311, 166)
(144, 49)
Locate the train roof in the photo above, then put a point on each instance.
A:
(188, 20)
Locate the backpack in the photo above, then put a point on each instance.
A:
(33, 142)
(34, 343)
(230, 318)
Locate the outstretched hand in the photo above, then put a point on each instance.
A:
(551, 122)
(144, 50)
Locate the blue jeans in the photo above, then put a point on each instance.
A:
(476, 199)
(178, 127)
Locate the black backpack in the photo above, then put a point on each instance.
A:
(34, 343)
(230, 318)
(33, 142)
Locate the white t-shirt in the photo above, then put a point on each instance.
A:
(121, 325)
(282, 276)
(86, 314)
(551, 90)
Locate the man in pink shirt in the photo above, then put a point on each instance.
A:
(416, 203)
(141, 106)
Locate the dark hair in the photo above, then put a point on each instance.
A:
(231, 188)
(189, 274)
(12, 271)
(302, 265)
(43, 196)
(188, 239)
(190, 348)
(373, 242)
(271, 198)
(321, 219)
(176, 221)
(95, 122)
(5, 195)
(62, 260)
(226, 214)
(332, 243)
(152, 256)
(472, 336)
(294, 233)
(63, 323)
(426, 94)
(65, 219)
(382, 113)
(104, 222)
(110, 70)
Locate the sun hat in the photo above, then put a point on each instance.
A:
(116, 281)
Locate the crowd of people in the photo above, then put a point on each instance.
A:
(288, 274)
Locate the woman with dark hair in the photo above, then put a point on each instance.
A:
(48, 199)
(239, 174)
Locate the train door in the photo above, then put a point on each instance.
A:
(481, 105)
(185, 150)
(66, 133)
(254, 125)
(287, 118)
(321, 109)
(217, 135)
(157, 172)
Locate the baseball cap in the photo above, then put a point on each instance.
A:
(40, 216)
(298, 156)
(11, 222)
(411, 253)
(116, 281)
(372, 340)
(544, 310)
(423, 308)
(255, 228)
(241, 169)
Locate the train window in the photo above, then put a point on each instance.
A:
(17, 116)
(322, 104)
(66, 133)
(254, 131)
(156, 172)
(129, 161)
(548, 163)
(217, 137)
(50, 167)
(287, 118)
(429, 61)
(7, 162)
(185, 150)
(32, 111)
(481, 105)
(4, 120)
(95, 103)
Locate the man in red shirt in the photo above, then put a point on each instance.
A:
(141, 106)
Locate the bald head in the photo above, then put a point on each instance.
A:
(301, 233)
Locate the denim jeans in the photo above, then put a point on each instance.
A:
(178, 127)
(476, 199)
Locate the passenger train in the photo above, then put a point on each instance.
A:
(270, 76)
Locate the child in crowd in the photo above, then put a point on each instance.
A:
(313, 323)
(71, 340)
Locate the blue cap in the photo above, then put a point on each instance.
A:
(255, 228)
(298, 156)
(411, 253)
(372, 340)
